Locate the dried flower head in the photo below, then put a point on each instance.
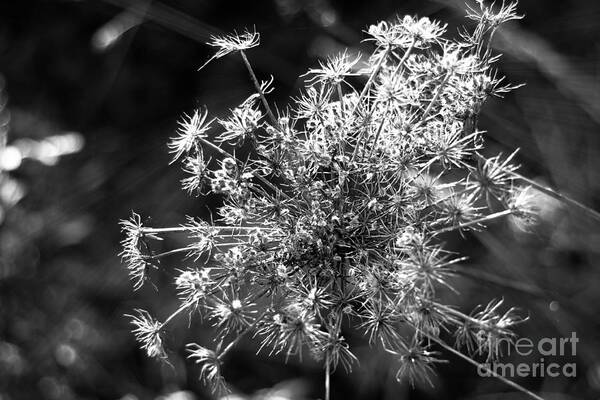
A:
(210, 372)
(132, 254)
(227, 44)
(333, 210)
(191, 129)
(147, 333)
(416, 364)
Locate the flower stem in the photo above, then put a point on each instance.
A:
(259, 90)
(474, 222)
(436, 96)
(378, 131)
(165, 230)
(327, 379)
(404, 58)
(184, 306)
(363, 93)
(185, 228)
(241, 335)
(171, 252)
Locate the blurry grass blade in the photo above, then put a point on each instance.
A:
(110, 33)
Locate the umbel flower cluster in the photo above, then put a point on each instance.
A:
(335, 211)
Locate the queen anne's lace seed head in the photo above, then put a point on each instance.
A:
(334, 208)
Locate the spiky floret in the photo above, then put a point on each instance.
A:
(147, 332)
(210, 371)
(192, 128)
(226, 44)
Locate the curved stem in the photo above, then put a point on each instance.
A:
(259, 90)
(363, 93)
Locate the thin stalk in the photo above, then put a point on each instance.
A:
(422, 170)
(559, 196)
(327, 378)
(183, 307)
(500, 281)
(378, 131)
(342, 115)
(229, 230)
(341, 97)
(436, 96)
(459, 314)
(217, 245)
(358, 143)
(259, 90)
(165, 230)
(474, 222)
(483, 366)
(363, 93)
(241, 335)
(370, 81)
(404, 57)
(449, 196)
(171, 252)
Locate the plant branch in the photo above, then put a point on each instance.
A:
(259, 90)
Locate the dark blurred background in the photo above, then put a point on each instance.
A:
(90, 93)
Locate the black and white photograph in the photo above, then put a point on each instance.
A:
(299, 200)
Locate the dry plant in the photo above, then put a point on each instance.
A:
(337, 211)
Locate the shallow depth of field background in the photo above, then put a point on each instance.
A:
(118, 84)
